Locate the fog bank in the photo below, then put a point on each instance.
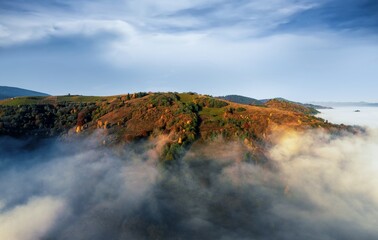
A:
(316, 186)
(365, 116)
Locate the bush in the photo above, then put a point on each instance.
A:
(172, 151)
(163, 99)
(230, 110)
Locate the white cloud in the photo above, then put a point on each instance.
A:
(288, 62)
(123, 17)
(156, 41)
(88, 28)
(334, 176)
(32, 220)
(3, 32)
(79, 186)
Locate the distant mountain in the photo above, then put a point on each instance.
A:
(309, 105)
(277, 98)
(10, 92)
(284, 104)
(347, 104)
(241, 99)
(252, 101)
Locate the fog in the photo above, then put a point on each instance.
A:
(313, 185)
(367, 116)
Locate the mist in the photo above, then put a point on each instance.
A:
(366, 117)
(312, 185)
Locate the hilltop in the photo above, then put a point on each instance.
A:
(183, 119)
(290, 106)
(11, 92)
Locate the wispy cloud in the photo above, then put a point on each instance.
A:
(307, 43)
(336, 15)
(20, 222)
(82, 17)
(213, 16)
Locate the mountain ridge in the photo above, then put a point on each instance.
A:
(348, 104)
(11, 92)
(241, 99)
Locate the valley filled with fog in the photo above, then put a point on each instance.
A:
(364, 116)
(316, 186)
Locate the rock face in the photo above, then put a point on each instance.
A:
(185, 118)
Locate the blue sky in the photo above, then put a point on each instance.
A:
(304, 50)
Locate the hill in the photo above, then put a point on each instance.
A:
(182, 119)
(289, 105)
(241, 99)
(11, 92)
(307, 105)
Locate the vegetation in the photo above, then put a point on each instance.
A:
(185, 118)
(291, 106)
(165, 100)
(43, 120)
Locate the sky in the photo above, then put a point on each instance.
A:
(304, 50)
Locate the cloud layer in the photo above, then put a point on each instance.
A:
(313, 186)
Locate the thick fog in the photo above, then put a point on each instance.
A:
(314, 186)
(363, 116)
